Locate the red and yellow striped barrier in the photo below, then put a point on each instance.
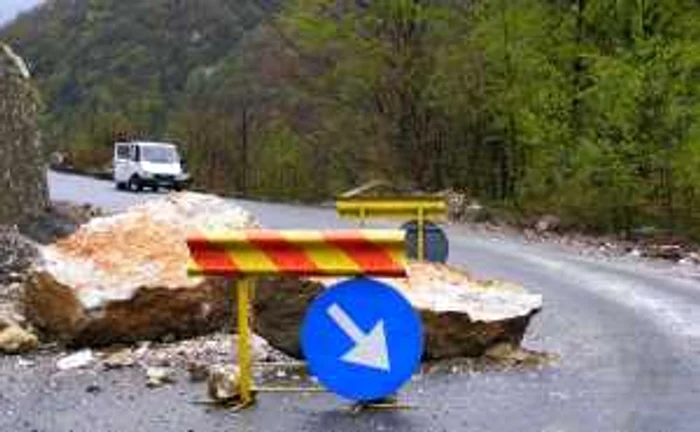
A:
(250, 253)
(298, 253)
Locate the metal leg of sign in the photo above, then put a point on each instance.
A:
(291, 390)
(286, 389)
(389, 403)
(421, 234)
(243, 288)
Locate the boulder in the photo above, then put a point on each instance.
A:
(123, 278)
(462, 316)
(22, 165)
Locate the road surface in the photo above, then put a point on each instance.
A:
(627, 332)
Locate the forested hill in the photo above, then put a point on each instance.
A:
(589, 109)
(122, 65)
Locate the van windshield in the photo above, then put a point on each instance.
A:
(159, 154)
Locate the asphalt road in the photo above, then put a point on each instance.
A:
(627, 332)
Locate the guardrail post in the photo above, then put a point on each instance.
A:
(421, 234)
(243, 288)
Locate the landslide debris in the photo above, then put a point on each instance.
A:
(123, 278)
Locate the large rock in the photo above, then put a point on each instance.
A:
(22, 166)
(123, 278)
(462, 317)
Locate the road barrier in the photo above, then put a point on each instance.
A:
(420, 207)
(246, 254)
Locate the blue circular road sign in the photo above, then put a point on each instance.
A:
(437, 248)
(362, 339)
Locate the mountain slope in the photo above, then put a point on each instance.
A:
(123, 64)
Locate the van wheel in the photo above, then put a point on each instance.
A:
(135, 184)
(121, 186)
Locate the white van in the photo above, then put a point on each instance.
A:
(148, 164)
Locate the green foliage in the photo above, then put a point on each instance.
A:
(589, 109)
(124, 58)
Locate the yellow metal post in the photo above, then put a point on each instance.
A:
(243, 287)
(421, 234)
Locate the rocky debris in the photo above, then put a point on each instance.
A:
(456, 204)
(15, 340)
(500, 357)
(76, 360)
(462, 316)
(159, 376)
(17, 254)
(198, 372)
(119, 359)
(547, 223)
(60, 220)
(669, 252)
(460, 208)
(222, 384)
(474, 212)
(123, 278)
(11, 303)
(509, 355)
(204, 350)
(22, 165)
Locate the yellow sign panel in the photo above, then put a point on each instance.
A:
(407, 207)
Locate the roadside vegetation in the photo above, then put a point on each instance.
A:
(587, 109)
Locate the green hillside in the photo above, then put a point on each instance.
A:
(121, 66)
(586, 109)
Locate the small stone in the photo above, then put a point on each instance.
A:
(25, 363)
(93, 389)
(159, 376)
(636, 253)
(222, 384)
(142, 349)
(198, 371)
(119, 359)
(501, 352)
(80, 359)
(15, 340)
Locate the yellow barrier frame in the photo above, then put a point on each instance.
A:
(422, 207)
(390, 239)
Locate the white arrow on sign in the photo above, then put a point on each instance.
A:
(370, 349)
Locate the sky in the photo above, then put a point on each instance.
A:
(10, 8)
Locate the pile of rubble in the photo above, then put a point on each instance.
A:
(123, 278)
(17, 253)
(118, 288)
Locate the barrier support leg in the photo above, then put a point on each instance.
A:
(421, 234)
(245, 364)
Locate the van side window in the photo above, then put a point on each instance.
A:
(122, 152)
